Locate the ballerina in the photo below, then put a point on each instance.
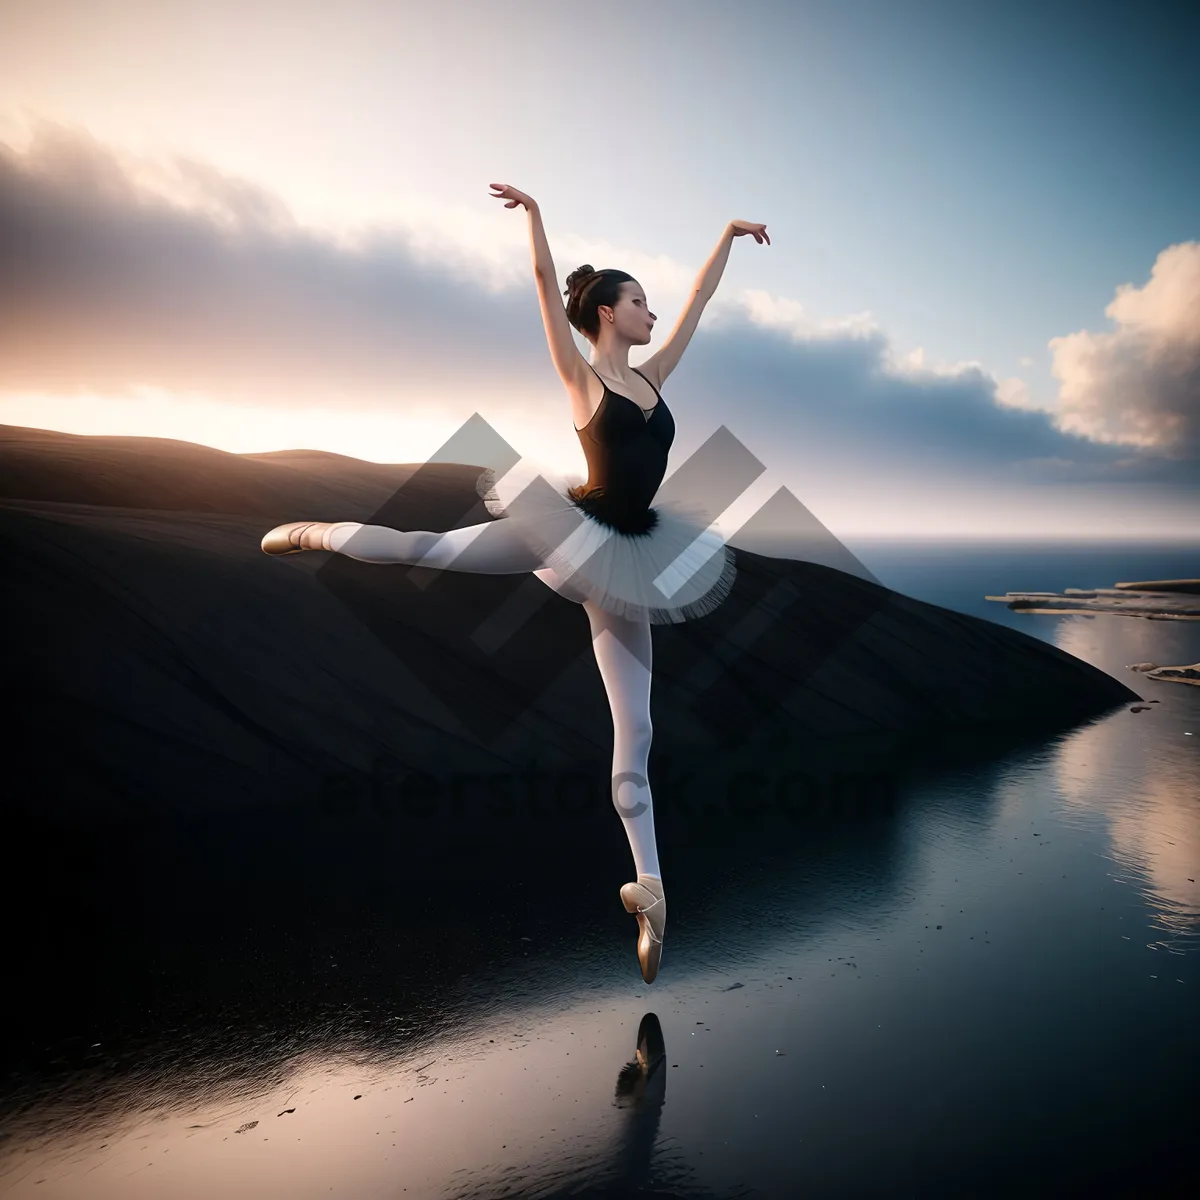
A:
(605, 544)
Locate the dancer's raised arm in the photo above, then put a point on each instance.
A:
(660, 364)
(568, 362)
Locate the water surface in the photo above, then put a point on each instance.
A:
(968, 968)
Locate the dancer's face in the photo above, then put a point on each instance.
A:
(632, 319)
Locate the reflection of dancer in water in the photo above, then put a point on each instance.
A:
(600, 544)
(641, 1090)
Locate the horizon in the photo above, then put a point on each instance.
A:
(1014, 537)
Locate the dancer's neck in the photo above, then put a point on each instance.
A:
(614, 362)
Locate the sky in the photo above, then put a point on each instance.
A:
(268, 226)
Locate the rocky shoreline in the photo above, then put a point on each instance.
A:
(1188, 674)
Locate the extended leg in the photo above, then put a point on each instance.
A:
(489, 548)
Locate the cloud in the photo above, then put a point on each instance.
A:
(852, 399)
(120, 274)
(1139, 385)
(1014, 393)
(123, 275)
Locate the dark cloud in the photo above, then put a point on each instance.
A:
(213, 288)
(847, 401)
(108, 285)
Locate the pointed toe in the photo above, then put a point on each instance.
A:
(646, 900)
(303, 535)
(285, 539)
(649, 956)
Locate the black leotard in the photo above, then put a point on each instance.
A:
(626, 452)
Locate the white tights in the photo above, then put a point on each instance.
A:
(622, 647)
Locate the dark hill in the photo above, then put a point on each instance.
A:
(158, 663)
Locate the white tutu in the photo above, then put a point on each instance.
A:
(676, 571)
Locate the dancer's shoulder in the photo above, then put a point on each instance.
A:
(652, 369)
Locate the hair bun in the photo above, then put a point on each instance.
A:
(579, 276)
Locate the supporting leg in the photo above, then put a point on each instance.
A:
(624, 655)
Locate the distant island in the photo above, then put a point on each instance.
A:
(1157, 599)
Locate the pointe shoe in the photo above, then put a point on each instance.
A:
(646, 899)
(296, 536)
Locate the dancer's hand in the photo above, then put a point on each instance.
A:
(741, 227)
(504, 192)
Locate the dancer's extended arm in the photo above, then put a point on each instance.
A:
(660, 364)
(568, 362)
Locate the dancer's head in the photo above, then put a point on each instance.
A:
(608, 306)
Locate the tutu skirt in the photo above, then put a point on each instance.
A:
(675, 570)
